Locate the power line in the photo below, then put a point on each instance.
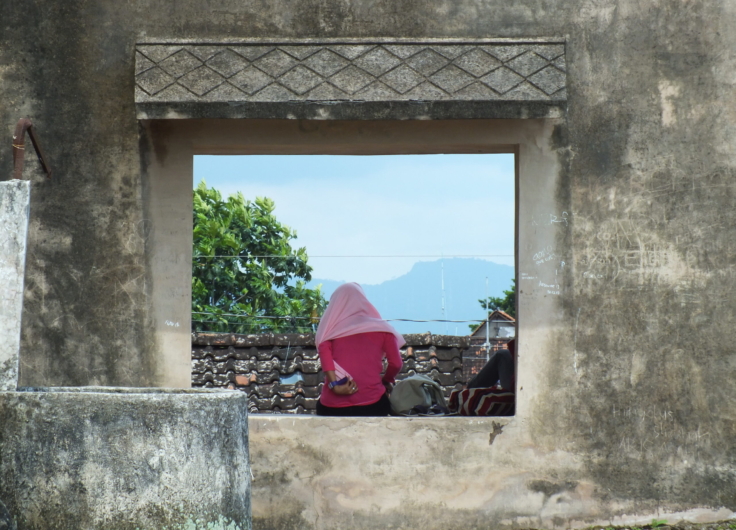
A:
(311, 318)
(364, 256)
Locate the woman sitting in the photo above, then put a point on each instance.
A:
(352, 340)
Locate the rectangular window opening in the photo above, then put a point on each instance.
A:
(428, 237)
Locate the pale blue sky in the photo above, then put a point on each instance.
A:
(418, 205)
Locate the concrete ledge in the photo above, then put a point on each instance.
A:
(123, 458)
(361, 110)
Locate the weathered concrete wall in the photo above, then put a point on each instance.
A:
(628, 373)
(431, 473)
(14, 211)
(125, 459)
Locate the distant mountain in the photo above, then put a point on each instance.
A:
(417, 295)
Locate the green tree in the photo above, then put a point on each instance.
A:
(244, 268)
(507, 303)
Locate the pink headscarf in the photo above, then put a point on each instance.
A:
(349, 313)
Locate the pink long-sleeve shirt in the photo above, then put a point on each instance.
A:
(361, 356)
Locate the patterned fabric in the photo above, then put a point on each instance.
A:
(482, 402)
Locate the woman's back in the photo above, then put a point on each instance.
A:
(361, 355)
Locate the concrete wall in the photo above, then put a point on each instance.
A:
(124, 458)
(626, 383)
(475, 474)
(15, 203)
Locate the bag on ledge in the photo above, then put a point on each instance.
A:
(417, 395)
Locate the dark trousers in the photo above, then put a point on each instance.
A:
(500, 367)
(382, 407)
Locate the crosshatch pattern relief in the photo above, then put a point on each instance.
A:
(350, 72)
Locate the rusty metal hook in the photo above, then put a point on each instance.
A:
(19, 148)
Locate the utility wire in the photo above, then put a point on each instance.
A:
(360, 256)
(311, 318)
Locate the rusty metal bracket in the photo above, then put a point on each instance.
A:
(19, 148)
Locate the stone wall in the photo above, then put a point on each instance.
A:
(259, 365)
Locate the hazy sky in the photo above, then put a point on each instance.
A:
(418, 205)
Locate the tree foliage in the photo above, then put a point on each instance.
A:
(244, 268)
(507, 303)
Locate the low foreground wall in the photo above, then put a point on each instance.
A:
(96, 458)
(317, 473)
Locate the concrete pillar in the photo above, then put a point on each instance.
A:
(107, 458)
(14, 212)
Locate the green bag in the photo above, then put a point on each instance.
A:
(417, 394)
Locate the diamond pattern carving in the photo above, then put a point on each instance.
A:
(477, 62)
(204, 52)
(427, 62)
(154, 80)
(549, 79)
(377, 61)
(325, 92)
(142, 63)
(326, 62)
(301, 52)
(300, 80)
(252, 52)
(550, 52)
(351, 79)
(308, 71)
(201, 80)
(502, 80)
(158, 53)
(351, 51)
(402, 79)
(375, 92)
(276, 63)
(251, 80)
(504, 53)
(451, 79)
(405, 50)
(527, 63)
(227, 63)
(180, 63)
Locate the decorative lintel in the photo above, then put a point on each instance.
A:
(351, 80)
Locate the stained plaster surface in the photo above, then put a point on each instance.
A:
(633, 379)
(433, 473)
(14, 212)
(107, 458)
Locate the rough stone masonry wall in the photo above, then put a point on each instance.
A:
(636, 379)
(256, 365)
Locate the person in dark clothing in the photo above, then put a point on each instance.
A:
(498, 369)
